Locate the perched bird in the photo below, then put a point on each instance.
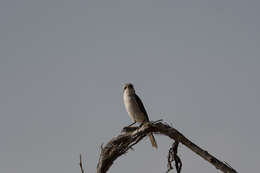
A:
(135, 109)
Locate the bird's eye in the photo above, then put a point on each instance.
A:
(125, 87)
(131, 86)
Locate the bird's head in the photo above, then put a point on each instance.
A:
(129, 88)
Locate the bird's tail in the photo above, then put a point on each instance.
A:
(153, 141)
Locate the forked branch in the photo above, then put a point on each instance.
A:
(130, 136)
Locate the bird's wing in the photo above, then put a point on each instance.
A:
(141, 106)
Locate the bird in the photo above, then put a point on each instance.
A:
(135, 109)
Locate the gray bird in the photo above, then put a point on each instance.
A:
(135, 109)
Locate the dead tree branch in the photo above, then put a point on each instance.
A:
(173, 156)
(80, 164)
(130, 136)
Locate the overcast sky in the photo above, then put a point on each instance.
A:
(63, 63)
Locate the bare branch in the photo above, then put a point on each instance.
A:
(130, 136)
(80, 164)
(173, 156)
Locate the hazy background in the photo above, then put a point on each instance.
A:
(63, 64)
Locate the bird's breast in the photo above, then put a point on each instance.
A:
(130, 104)
(133, 109)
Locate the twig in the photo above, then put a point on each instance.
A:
(173, 156)
(80, 164)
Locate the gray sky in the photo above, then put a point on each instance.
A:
(63, 63)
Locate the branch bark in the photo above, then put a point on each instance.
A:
(130, 136)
